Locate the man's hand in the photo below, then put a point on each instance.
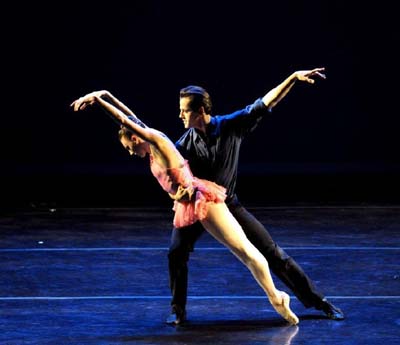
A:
(309, 76)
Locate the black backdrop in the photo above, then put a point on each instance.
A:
(334, 141)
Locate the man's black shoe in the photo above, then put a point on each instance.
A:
(334, 313)
(176, 318)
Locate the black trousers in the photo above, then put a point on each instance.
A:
(281, 264)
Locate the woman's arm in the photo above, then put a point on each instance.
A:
(165, 148)
(115, 101)
(104, 94)
(119, 116)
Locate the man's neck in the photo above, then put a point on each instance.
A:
(203, 123)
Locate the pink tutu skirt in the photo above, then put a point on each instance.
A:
(189, 212)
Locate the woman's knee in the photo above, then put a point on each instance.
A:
(246, 253)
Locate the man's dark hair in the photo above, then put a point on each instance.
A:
(199, 97)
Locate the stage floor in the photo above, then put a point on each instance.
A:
(100, 276)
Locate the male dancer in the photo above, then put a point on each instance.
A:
(211, 144)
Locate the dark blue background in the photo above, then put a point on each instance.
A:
(334, 141)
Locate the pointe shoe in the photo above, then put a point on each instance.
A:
(284, 310)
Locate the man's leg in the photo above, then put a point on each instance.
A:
(182, 243)
(282, 265)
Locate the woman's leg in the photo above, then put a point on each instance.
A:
(223, 226)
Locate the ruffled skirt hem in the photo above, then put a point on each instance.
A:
(189, 212)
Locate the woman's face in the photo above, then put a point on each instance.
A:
(134, 145)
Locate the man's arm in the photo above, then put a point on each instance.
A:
(274, 96)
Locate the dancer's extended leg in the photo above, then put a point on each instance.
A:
(223, 226)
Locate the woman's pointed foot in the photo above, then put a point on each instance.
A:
(283, 308)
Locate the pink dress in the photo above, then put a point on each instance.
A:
(191, 195)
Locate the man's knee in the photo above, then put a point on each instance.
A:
(178, 254)
(278, 258)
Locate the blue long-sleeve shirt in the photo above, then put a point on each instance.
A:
(215, 155)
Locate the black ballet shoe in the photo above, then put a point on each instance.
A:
(331, 311)
(177, 317)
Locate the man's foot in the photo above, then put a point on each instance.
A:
(177, 317)
(333, 312)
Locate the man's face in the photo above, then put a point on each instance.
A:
(186, 113)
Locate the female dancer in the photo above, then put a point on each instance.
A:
(194, 199)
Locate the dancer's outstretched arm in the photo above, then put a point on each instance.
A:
(159, 141)
(274, 96)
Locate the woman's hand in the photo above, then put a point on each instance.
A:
(89, 99)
